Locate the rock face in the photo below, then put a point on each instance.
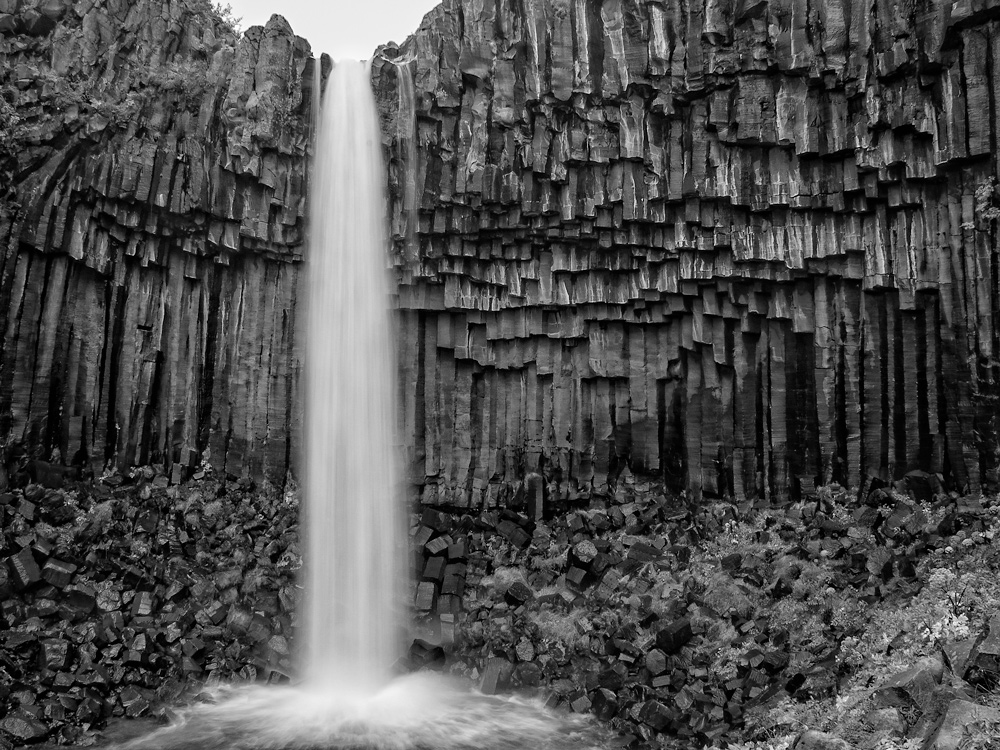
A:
(148, 253)
(745, 246)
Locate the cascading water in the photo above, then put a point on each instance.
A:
(353, 530)
(352, 517)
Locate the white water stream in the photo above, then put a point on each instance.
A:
(353, 511)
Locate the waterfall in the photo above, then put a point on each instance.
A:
(352, 515)
(352, 521)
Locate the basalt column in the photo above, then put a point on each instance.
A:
(743, 247)
(155, 169)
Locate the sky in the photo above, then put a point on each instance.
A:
(344, 29)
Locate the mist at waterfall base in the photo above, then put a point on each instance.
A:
(354, 512)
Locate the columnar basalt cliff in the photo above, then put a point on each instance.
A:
(745, 246)
(149, 239)
(742, 246)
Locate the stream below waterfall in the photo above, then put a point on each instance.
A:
(418, 712)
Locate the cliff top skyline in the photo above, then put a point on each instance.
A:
(344, 30)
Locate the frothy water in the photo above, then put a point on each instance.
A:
(417, 712)
(353, 510)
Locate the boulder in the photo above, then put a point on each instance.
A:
(51, 8)
(438, 545)
(23, 726)
(517, 594)
(583, 553)
(886, 721)
(496, 676)
(656, 662)
(525, 650)
(426, 655)
(436, 520)
(134, 703)
(984, 664)
(79, 600)
(24, 570)
(960, 717)
(535, 489)
(54, 654)
(957, 655)
(576, 576)
(674, 636)
(514, 534)
(613, 677)
(913, 687)
(642, 552)
(58, 573)
(604, 704)
(656, 715)
(528, 674)
(434, 569)
(425, 597)
(815, 740)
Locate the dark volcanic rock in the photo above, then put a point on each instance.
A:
(178, 150)
(24, 570)
(424, 655)
(54, 654)
(647, 239)
(984, 666)
(674, 636)
(120, 629)
(58, 573)
(651, 236)
(959, 717)
(23, 726)
(717, 225)
(815, 740)
(911, 688)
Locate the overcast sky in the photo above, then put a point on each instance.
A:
(344, 29)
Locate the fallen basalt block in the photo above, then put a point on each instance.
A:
(23, 726)
(24, 570)
(984, 664)
(58, 573)
(911, 688)
(674, 636)
(959, 716)
(425, 655)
